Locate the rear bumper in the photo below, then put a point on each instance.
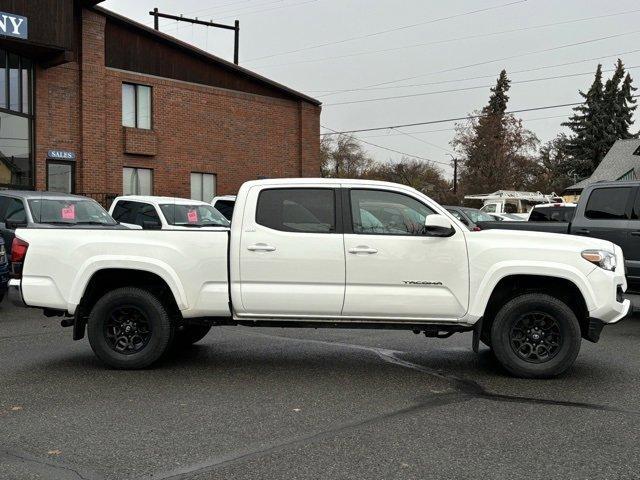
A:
(15, 293)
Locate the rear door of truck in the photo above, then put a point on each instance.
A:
(291, 251)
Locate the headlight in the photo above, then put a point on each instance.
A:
(601, 258)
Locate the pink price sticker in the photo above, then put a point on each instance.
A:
(69, 212)
(192, 216)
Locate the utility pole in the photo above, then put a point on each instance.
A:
(235, 27)
(455, 173)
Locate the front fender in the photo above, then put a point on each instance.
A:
(488, 282)
(104, 262)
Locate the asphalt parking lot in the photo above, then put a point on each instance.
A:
(312, 404)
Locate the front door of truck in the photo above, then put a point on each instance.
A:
(395, 271)
(291, 253)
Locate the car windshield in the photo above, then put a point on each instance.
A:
(193, 215)
(478, 216)
(67, 211)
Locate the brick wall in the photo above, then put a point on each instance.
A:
(196, 128)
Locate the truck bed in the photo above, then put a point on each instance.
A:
(549, 227)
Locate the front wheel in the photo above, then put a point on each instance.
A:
(536, 336)
(129, 328)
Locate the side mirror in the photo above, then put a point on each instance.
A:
(438, 226)
(151, 225)
(14, 224)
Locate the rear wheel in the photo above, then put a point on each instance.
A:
(190, 334)
(536, 336)
(129, 328)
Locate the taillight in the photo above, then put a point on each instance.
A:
(18, 250)
(18, 254)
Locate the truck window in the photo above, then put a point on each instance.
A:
(308, 210)
(146, 213)
(397, 214)
(489, 208)
(125, 212)
(608, 203)
(15, 211)
(225, 207)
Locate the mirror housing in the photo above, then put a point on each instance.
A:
(14, 225)
(151, 225)
(438, 226)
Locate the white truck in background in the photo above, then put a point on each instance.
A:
(326, 253)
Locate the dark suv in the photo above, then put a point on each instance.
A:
(26, 209)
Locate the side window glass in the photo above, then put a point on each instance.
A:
(310, 210)
(225, 207)
(15, 211)
(146, 213)
(4, 201)
(457, 214)
(387, 213)
(124, 212)
(608, 203)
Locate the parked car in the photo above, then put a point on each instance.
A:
(29, 209)
(297, 255)
(552, 212)
(506, 217)
(4, 269)
(224, 204)
(607, 210)
(165, 213)
(469, 216)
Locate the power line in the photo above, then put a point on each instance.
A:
(413, 95)
(450, 40)
(480, 77)
(456, 119)
(335, 132)
(382, 32)
(453, 129)
(208, 9)
(485, 62)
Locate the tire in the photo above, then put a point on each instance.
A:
(129, 328)
(536, 336)
(190, 334)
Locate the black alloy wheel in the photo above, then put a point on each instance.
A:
(127, 330)
(536, 337)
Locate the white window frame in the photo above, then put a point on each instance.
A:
(136, 106)
(200, 177)
(136, 190)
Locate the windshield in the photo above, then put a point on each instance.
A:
(478, 216)
(193, 215)
(69, 212)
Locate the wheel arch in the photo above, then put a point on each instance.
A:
(511, 286)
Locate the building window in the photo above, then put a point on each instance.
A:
(136, 106)
(16, 121)
(60, 176)
(203, 187)
(137, 181)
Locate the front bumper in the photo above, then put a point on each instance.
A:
(15, 293)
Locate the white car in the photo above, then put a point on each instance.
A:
(225, 205)
(327, 253)
(165, 213)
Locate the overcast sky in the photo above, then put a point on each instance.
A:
(421, 48)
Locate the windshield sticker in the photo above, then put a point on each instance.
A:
(69, 212)
(192, 216)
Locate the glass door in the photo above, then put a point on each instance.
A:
(60, 176)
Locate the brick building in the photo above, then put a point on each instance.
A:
(94, 103)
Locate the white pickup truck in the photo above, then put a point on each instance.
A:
(326, 253)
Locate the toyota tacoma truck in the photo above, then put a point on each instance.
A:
(325, 253)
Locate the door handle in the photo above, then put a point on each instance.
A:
(261, 247)
(583, 231)
(363, 249)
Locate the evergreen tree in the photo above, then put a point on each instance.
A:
(605, 116)
(495, 147)
(588, 124)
